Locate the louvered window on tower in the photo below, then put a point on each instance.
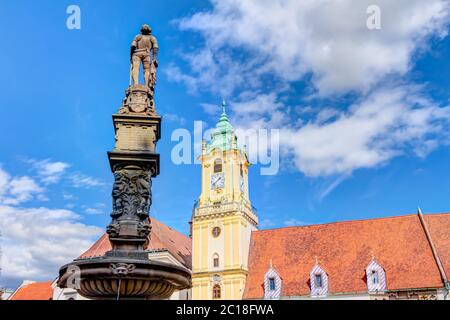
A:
(216, 261)
(217, 165)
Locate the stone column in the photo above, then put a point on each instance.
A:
(134, 162)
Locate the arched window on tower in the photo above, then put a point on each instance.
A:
(217, 291)
(241, 170)
(216, 261)
(217, 165)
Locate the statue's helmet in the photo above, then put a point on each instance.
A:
(145, 29)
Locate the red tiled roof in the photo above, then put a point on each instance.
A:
(162, 237)
(439, 226)
(34, 291)
(344, 249)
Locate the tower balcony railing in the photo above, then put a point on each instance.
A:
(224, 207)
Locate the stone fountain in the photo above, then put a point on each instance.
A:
(126, 272)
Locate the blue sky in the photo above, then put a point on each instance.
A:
(363, 114)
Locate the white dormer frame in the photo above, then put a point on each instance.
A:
(322, 291)
(374, 269)
(268, 293)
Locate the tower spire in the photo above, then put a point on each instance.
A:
(224, 105)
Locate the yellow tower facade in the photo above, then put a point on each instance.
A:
(223, 218)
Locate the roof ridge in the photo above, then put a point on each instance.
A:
(436, 214)
(340, 222)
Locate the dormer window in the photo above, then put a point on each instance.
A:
(272, 284)
(376, 277)
(319, 281)
(217, 165)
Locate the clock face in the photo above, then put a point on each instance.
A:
(217, 181)
(242, 184)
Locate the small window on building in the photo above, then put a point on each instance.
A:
(375, 277)
(241, 170)
(216, 291)
(217, 165)
(216, 261)
(272, 284)
(318, 280)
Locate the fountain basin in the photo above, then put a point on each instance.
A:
(115, 278)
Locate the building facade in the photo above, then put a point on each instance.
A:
(223, 218)
(402, 257)
(406, 257)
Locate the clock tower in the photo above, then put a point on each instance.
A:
(223, 218)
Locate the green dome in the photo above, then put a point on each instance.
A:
(223, 136)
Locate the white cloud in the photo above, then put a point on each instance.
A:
(288, 39)
(211, 109)
(16, 190)
(172, 117)
(266, 223)
(255, 50)
(331, 186)
(68, 196)
(80, 180)
(97, 209)
(94, 211)
(386, 124)
(49, 172)
(293, 222)
(36, 242)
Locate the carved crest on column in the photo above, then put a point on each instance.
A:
(138, 99)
